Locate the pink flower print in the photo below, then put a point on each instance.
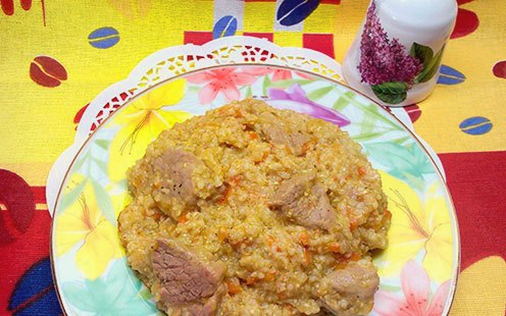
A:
(278, 74)
(224, 80)
(417, 299)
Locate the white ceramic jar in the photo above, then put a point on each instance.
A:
(396, 55)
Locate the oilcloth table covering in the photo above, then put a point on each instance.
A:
(56, 56)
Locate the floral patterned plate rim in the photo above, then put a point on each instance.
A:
(418, 271)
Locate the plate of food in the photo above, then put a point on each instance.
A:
(253, 190)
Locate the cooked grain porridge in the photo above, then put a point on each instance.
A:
(250, 210)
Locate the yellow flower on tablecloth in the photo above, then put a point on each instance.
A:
(141, 122)
(420, 222)
(83, 222)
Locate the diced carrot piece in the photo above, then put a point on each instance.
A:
(307, 145)
(362, 171)
(388, 214)
(308, 257)
(355, 256)
(222, 235)
(182, 219)
(289, 307)
(235, 180)
(340, 265)
(353, 224)
(251, 280)
(334, 247)
(270, 241)
(270, 276)
(304, 239)
(265, 155)
(237, 244)
(156, 216)
(233, 287)
(226, 194)
(253, 135)
(238, 113)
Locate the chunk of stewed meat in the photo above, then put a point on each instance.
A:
(352, 289)
(207, 308)
(316, 211)
(277, 135)
(186, 281)
(305, 201)
(356, 279)
(291, 190)
(173, 185)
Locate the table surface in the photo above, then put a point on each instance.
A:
(464, 120)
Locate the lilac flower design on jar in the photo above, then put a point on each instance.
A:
(388, 61)
(384, 63)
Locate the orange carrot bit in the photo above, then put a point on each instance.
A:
(334, 247)
(265, 155)
(362, 171)
(353, 224)
(156, 216)
(270, 241)
(182, 219)
(338, 256)
(340, 265)
(355, 256)
(222, 234)
(307, 145)
(308, 257)
(253, 135)
(388, 214)
(235, 180)
(226, 194)
(304, 239)
(236, 244)
(270, 276)
(229, 186)
(233, 287)
(251, 280)
(238, 113)
(289, 307)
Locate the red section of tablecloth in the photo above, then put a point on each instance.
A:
(477, 182)
(20, 255)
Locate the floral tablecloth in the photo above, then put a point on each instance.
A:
(56, 56)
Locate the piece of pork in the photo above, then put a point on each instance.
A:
(207, 308)
(173, 189)
(188, 283)
(279, 136)
(305, 201)
(352, 289)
